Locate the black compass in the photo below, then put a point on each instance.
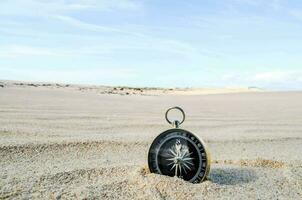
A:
(177, 152)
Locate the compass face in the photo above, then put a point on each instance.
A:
(177, 152)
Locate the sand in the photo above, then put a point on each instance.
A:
(61, 141)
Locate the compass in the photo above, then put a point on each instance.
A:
(178, 152)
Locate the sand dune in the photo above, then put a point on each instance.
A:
(123, 90)
(64, 142)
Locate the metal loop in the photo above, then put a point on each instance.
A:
(176, 108)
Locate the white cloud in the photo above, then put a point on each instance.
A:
(19, 50)
(277, 79)
(14, 51)
(87, 26)
(278, 76)
(88, 75)
(249, 2)
(59, 11)
(272, 3)
(276, 4)
(165, 47)
(93, 27)
(146, 41)
(296, 14)
(38, 7)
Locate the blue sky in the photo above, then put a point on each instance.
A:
(168, 43)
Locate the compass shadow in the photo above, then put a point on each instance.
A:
(232, 176)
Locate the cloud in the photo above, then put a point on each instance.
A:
(144, 41)
(277, 79)
(88, 75)
(12, 51)
(166, 47)
(119, 37)
(276, 4)
(54, 7)
(93, 27)
(278, 76)
(296, 13)
(272, 3)
(249, 2)
(87, 26)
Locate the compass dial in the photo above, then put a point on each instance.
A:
(177, 152)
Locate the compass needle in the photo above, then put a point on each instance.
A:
(173, 167)
(170, 163)
(185, 159)
(174, 154)
(180, 170)
(187, 166)
(185, 169)
(190, 163)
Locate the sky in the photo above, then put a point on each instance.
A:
(166, 43)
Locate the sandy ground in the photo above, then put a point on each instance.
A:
(70, 142)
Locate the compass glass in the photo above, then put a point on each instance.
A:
(178, 157)
(177, 152)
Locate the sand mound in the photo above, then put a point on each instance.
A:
(254, 163)
(79, 170)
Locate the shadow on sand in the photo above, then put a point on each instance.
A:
(232, 176)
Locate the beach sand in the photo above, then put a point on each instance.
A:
(61, 141)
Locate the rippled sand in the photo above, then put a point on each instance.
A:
(61, 142)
